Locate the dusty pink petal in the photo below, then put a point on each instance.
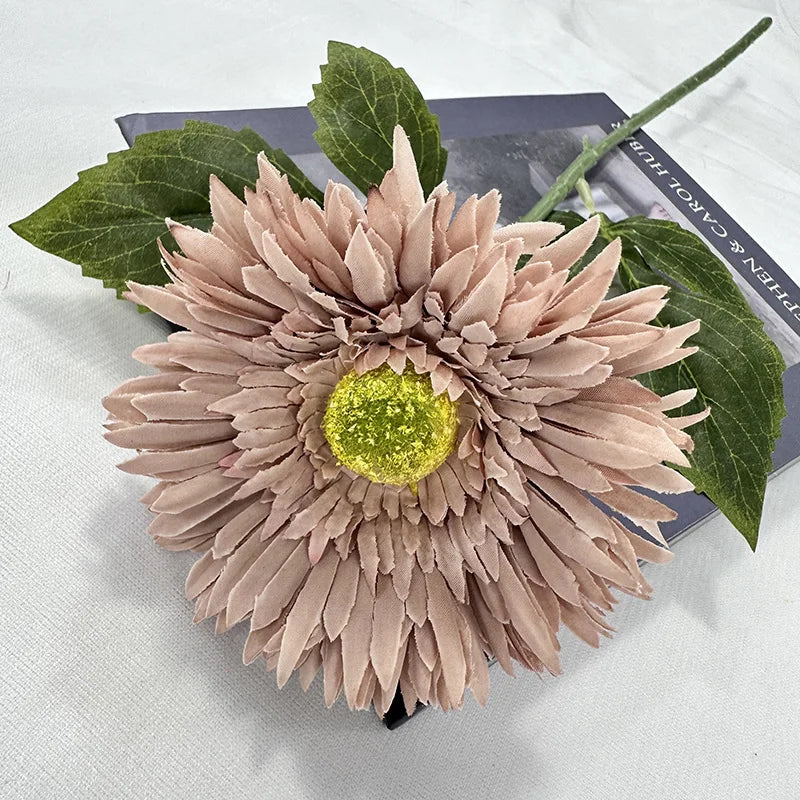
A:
(534, 235)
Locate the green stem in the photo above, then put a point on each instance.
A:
(593, 153)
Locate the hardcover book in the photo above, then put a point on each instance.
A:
(520, 145)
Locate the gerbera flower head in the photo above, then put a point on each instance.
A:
(388, 444)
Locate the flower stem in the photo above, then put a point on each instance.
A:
(593, 153)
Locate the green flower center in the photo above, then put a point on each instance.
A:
(390, 428)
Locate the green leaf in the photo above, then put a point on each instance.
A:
(109, 220)
(683, 257)
(737, 370)
(357, 104)
(569, 219)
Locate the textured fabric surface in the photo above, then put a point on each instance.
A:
(108, 690)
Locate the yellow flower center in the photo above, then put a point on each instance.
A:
(390, 428)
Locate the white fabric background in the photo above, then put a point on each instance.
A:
(107, 689)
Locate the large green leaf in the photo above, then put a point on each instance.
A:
(357, 104)
(737, 370)
(108, 221)
(683, 257)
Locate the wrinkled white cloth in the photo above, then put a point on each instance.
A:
(107, 689)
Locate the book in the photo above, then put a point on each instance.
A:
(520, 145)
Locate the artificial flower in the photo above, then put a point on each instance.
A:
(398, 454)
